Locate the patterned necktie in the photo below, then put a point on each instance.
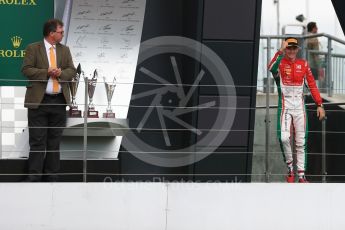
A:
(53, 65)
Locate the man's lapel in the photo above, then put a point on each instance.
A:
(44, 54)
(58, 55)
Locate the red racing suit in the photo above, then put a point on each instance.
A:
(290, 77)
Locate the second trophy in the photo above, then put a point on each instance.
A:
(74, 112)
(91, 112)
(109, 88)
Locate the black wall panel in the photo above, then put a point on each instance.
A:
(162, 96)
(134, 169)
(237, 56)
(238, 134)
(172, 17)
(230, 28)
(229, 20)
(156, 139)
(163, 18)
(224, 165)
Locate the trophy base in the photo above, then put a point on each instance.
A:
(92, 114)
(74, 113)
(108, 115)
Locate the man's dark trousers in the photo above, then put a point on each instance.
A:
(46, 125)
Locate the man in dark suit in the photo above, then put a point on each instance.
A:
(49, 67)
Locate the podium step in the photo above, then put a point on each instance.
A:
(13, 170)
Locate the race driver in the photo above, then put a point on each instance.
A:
(290, 75)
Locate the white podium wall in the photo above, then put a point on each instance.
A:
(172, 206)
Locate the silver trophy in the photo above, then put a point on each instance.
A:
(73, 86)
(109, 88)
(91, 112)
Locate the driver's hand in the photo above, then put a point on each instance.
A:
(320, 113)
(283, 45)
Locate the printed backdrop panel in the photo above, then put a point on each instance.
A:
(105, 35)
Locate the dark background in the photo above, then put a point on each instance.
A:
(231, 29)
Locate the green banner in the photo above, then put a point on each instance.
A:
(22, 24)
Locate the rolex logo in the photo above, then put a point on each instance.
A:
(16, 41)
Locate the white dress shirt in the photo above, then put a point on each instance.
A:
(49, 89)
